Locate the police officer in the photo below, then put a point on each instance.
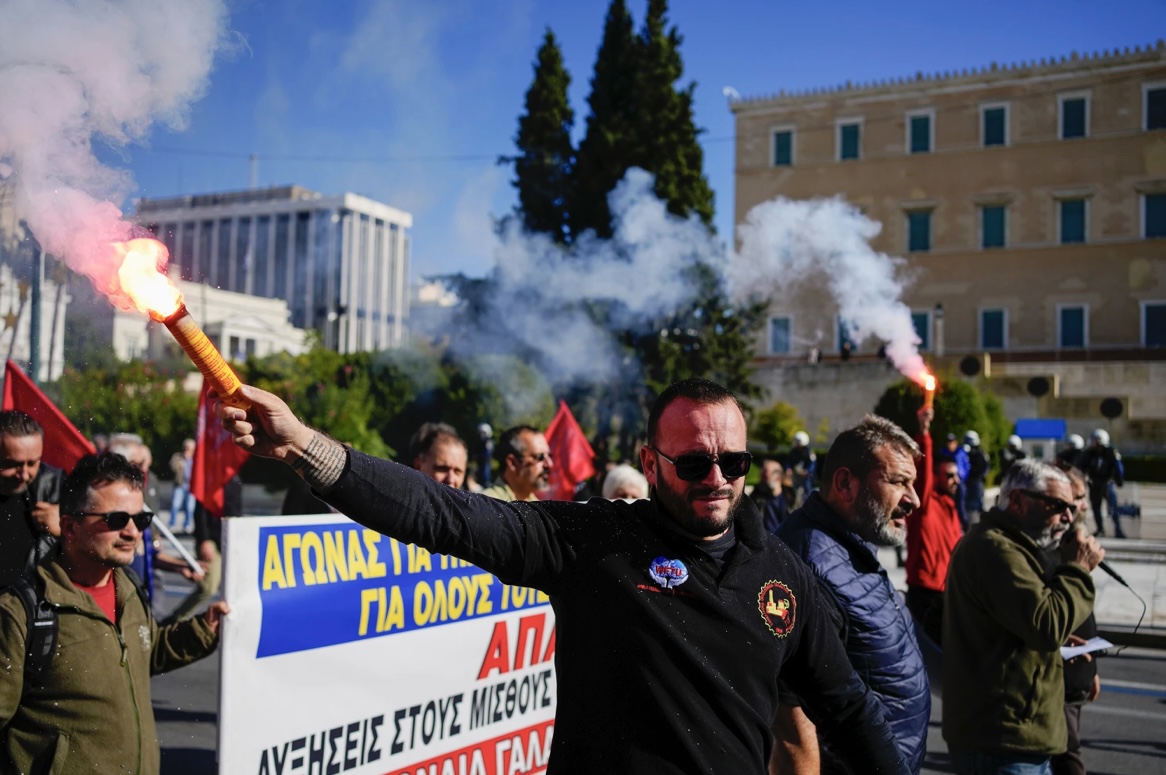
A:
(1103, 468)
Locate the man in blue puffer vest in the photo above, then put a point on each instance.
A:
(867, 492)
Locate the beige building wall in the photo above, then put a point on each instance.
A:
(1113, 273)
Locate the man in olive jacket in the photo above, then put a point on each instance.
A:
(1005, 621)
(89, 710)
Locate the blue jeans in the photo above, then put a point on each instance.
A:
(976, 763)
(181, 509)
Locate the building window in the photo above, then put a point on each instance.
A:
(260, 285)
(994, 124)
(993, 329)
(1154, 216)
(244, 258)
(1155, 106)
(783, 147)
(919, 231)
(222, 277)
(922, 323)
(780, 340)
(1154, 323)
(186, 252)
(849, 140)
(206, 250)
(1074, 116)
(920, 132)
(993, 226)
(1072, 326)
(1072, 220)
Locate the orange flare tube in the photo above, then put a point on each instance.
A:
(928, 398)
(205, 356)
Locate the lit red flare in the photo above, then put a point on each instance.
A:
(142, 279)
(928, 382)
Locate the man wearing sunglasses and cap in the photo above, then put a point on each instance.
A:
(1005, 619)
(674, 615)
(87, 707)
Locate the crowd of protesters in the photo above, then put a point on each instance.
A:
(88, 542)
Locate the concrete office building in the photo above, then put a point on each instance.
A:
(1030, 203)
(340, 262)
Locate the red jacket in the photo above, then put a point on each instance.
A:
(932, 529)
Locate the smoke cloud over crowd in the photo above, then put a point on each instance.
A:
(72, 73)
(543, 294)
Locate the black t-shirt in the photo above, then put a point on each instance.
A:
(16, 537)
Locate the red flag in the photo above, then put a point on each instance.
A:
(216, 458)
(64, 444)
(574, 460)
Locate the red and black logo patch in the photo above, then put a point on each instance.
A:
(778, 608)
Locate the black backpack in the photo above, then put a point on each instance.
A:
(44, 624)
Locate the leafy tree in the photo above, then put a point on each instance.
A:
(959, 407)
(960, 410)
(710, 339)
(607, 150)
(822, 437)
(135, 397)
(775, 426)
(544, 163)
(325, 389)
(997, 428)
(899, 403)
(665, 132)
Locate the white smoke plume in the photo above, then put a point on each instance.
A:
(785, 243)
(75, 70)
(642, 273)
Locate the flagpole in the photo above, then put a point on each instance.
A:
(165, 531)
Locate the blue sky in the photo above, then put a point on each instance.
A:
(411, 102)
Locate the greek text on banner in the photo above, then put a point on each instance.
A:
(352, 583)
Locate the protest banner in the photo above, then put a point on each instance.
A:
(349, 652)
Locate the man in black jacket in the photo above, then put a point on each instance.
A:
(675, 615)
(29, 493)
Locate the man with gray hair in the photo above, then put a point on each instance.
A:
(1005, 619)
(867, 493)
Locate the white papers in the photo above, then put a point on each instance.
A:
(1093, 644)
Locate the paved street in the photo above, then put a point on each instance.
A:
(1123, 732)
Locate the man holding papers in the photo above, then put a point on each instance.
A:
(1005, 620)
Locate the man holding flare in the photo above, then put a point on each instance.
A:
(675, 614)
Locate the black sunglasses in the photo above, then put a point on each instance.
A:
(116, 520)
(1058, 505)
(694, 466)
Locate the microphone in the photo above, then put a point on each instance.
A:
(1116, 576)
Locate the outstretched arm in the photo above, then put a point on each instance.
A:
(270, 429)
(518, 542)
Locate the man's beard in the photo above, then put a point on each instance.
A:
(684, 515)
(1048, 537)
(874, 520)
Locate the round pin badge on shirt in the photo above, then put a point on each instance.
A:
(669, 574)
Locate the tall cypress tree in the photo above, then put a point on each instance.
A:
(543, 168)
(665, 131)
(608, 148)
